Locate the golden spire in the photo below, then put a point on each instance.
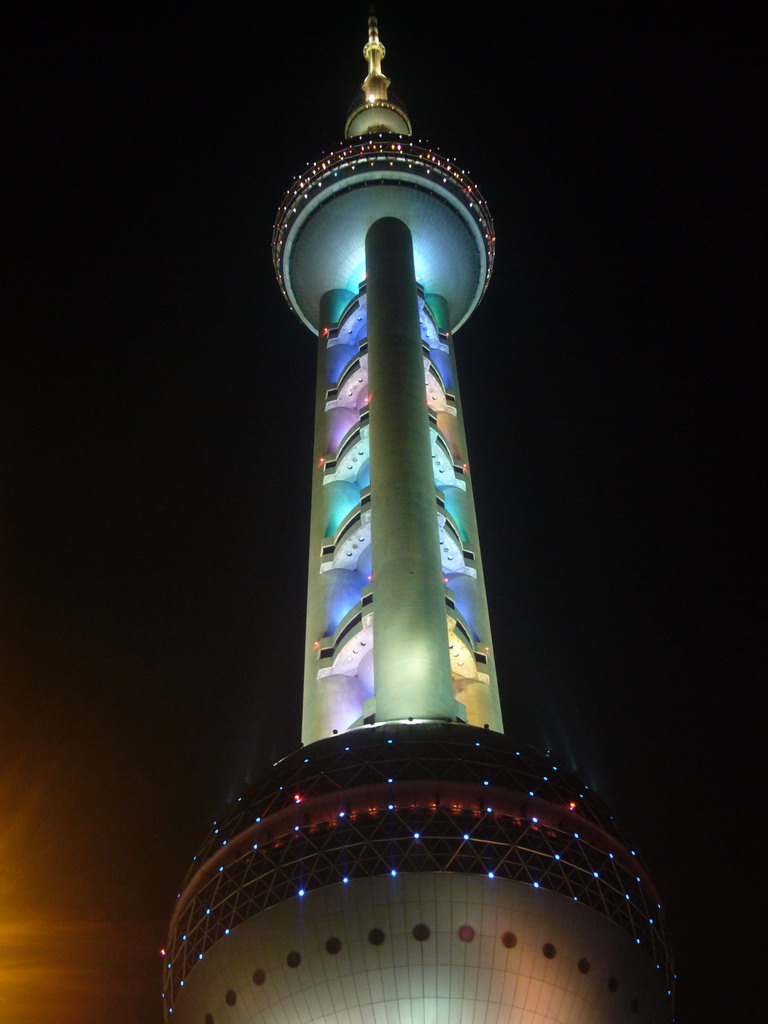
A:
(377, 112)
(376, 83)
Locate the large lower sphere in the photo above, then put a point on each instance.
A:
(417, 874)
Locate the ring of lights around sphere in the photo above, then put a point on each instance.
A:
(319, 237)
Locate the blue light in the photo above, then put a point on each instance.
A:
(391, 807)
(491, 874)
(466, 836)
(477, 744)
(389, 780)
(557, 856)
(389, 741)
(610, 855)
(637, 941)
(417, 835)
(183, 938)
(221, 869)
(535, 885)
(199, 956)
(342, 814)
(295, 828)
(226, 931)
(301, 892)
(255, 846)
(208, 910)
(258, 820)
(595, 874)
(346, 748)
(485, 783)
(306, 760)
(535, 820)
(545, 778)
(181, 982)
(393, 872)
(345, 880)
(575, 835)
(224, 842)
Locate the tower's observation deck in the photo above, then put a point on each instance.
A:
(319, 237)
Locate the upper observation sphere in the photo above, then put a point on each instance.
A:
(319, 238)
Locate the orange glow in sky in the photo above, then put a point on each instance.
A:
(59, 951)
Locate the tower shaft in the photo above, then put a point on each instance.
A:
(417, 870)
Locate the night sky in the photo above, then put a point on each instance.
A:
(156, 453)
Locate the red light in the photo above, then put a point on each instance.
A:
(297, 798)
(162, 952)
(572, 806)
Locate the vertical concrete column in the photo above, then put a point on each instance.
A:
(314, 714)
(412, 673)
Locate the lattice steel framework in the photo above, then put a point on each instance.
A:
(418, 798)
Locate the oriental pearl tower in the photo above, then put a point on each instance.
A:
(408, 864)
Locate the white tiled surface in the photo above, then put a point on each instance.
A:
(439, 981)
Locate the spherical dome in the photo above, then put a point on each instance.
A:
(407, 869)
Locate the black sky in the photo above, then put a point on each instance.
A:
(158, 395)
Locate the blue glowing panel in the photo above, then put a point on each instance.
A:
(443, 363)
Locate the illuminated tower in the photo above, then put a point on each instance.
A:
(407, 865)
